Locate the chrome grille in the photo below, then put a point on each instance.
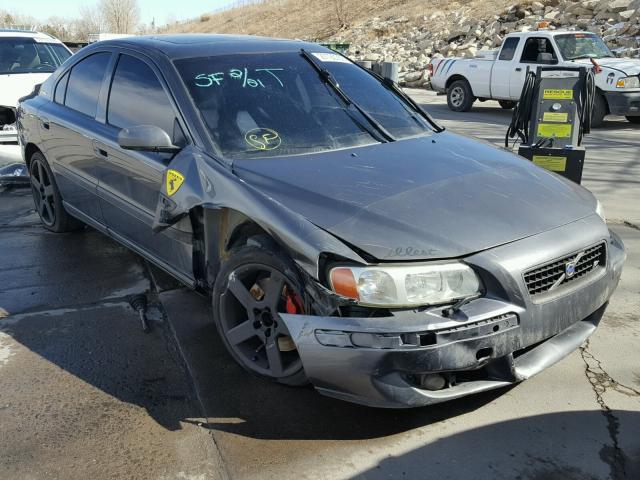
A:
(558, 272)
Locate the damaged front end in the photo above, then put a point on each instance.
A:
(407, 358)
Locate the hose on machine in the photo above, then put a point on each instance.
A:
(519, 125)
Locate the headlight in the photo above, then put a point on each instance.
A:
(628, 82)
(405, 286)
(600, 211)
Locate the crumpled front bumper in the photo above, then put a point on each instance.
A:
(499, 339)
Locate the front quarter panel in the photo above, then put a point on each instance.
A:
(207, 183)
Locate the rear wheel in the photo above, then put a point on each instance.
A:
(599, 111)
(459, 96)
(47, 199)
(253, 288)
(507, 104)
(635, 120)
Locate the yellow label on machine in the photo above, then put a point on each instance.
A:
(174, 181)
(557, 94)
(555, 164)
(554, 130)
(555, 117)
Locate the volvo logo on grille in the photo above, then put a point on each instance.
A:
(570, 269)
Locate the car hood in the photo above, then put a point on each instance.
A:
(440, 196)
(628, 66)
(15, 86)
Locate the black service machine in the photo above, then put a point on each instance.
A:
(553, 114)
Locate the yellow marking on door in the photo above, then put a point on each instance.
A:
(174, 181)
(553, 129)
(555, 117)
(555, 164)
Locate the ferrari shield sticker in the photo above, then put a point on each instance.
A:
(174, 181)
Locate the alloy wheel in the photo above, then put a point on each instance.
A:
(43, 192)
(250, 310)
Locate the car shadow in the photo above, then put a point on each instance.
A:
(237, 402)
(523, 448)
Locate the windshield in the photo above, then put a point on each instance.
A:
(276, 104)
(582, 45)
(26, 55)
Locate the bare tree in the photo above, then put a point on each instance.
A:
(120, 16)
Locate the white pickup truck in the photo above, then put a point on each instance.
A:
(500, 74)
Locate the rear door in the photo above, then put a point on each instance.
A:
(503, 67)
(130, 181)
(67, 125)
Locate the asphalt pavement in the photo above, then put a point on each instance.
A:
(84, 393)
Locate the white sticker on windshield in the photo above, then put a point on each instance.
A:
(330, 57)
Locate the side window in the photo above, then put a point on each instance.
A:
(61, 89)
(137, 97)
(85, 80)
(509, 48)
(538, 50)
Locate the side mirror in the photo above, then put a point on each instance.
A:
(148, 138)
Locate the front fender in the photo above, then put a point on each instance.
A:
(207, 183)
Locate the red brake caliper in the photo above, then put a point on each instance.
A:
(294, 303)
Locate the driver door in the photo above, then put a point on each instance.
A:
(534, 53)
(129, 182)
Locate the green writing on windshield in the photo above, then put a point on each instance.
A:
(251, 78)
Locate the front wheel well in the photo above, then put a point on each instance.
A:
(216, 233)
(599, 91)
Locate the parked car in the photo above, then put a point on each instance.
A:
(344, 238)
(26, 59)
(500, 75)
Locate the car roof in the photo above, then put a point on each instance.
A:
(550, 33)
(196, 45)
(28, 34)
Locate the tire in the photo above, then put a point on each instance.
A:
(47, 198)
(460, 97)
(599, 111)
(635, 120)
(252, 287)
(507, 104)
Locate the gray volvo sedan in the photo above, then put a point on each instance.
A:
(344, 238)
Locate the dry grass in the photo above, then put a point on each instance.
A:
(322, 19)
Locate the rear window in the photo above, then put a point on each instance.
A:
(25, 55)
(509, 48)
(85, 80)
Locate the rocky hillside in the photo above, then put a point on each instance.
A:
(412, 32)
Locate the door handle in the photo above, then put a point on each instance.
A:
(518, 69)
(44, 123)
(98, 150)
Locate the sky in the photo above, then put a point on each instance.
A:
(161, 10)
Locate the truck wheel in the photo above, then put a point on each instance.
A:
(459, 96)
(507, 104)
(47, 198)
(599, 111)
(635, 120)
(253, 287)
